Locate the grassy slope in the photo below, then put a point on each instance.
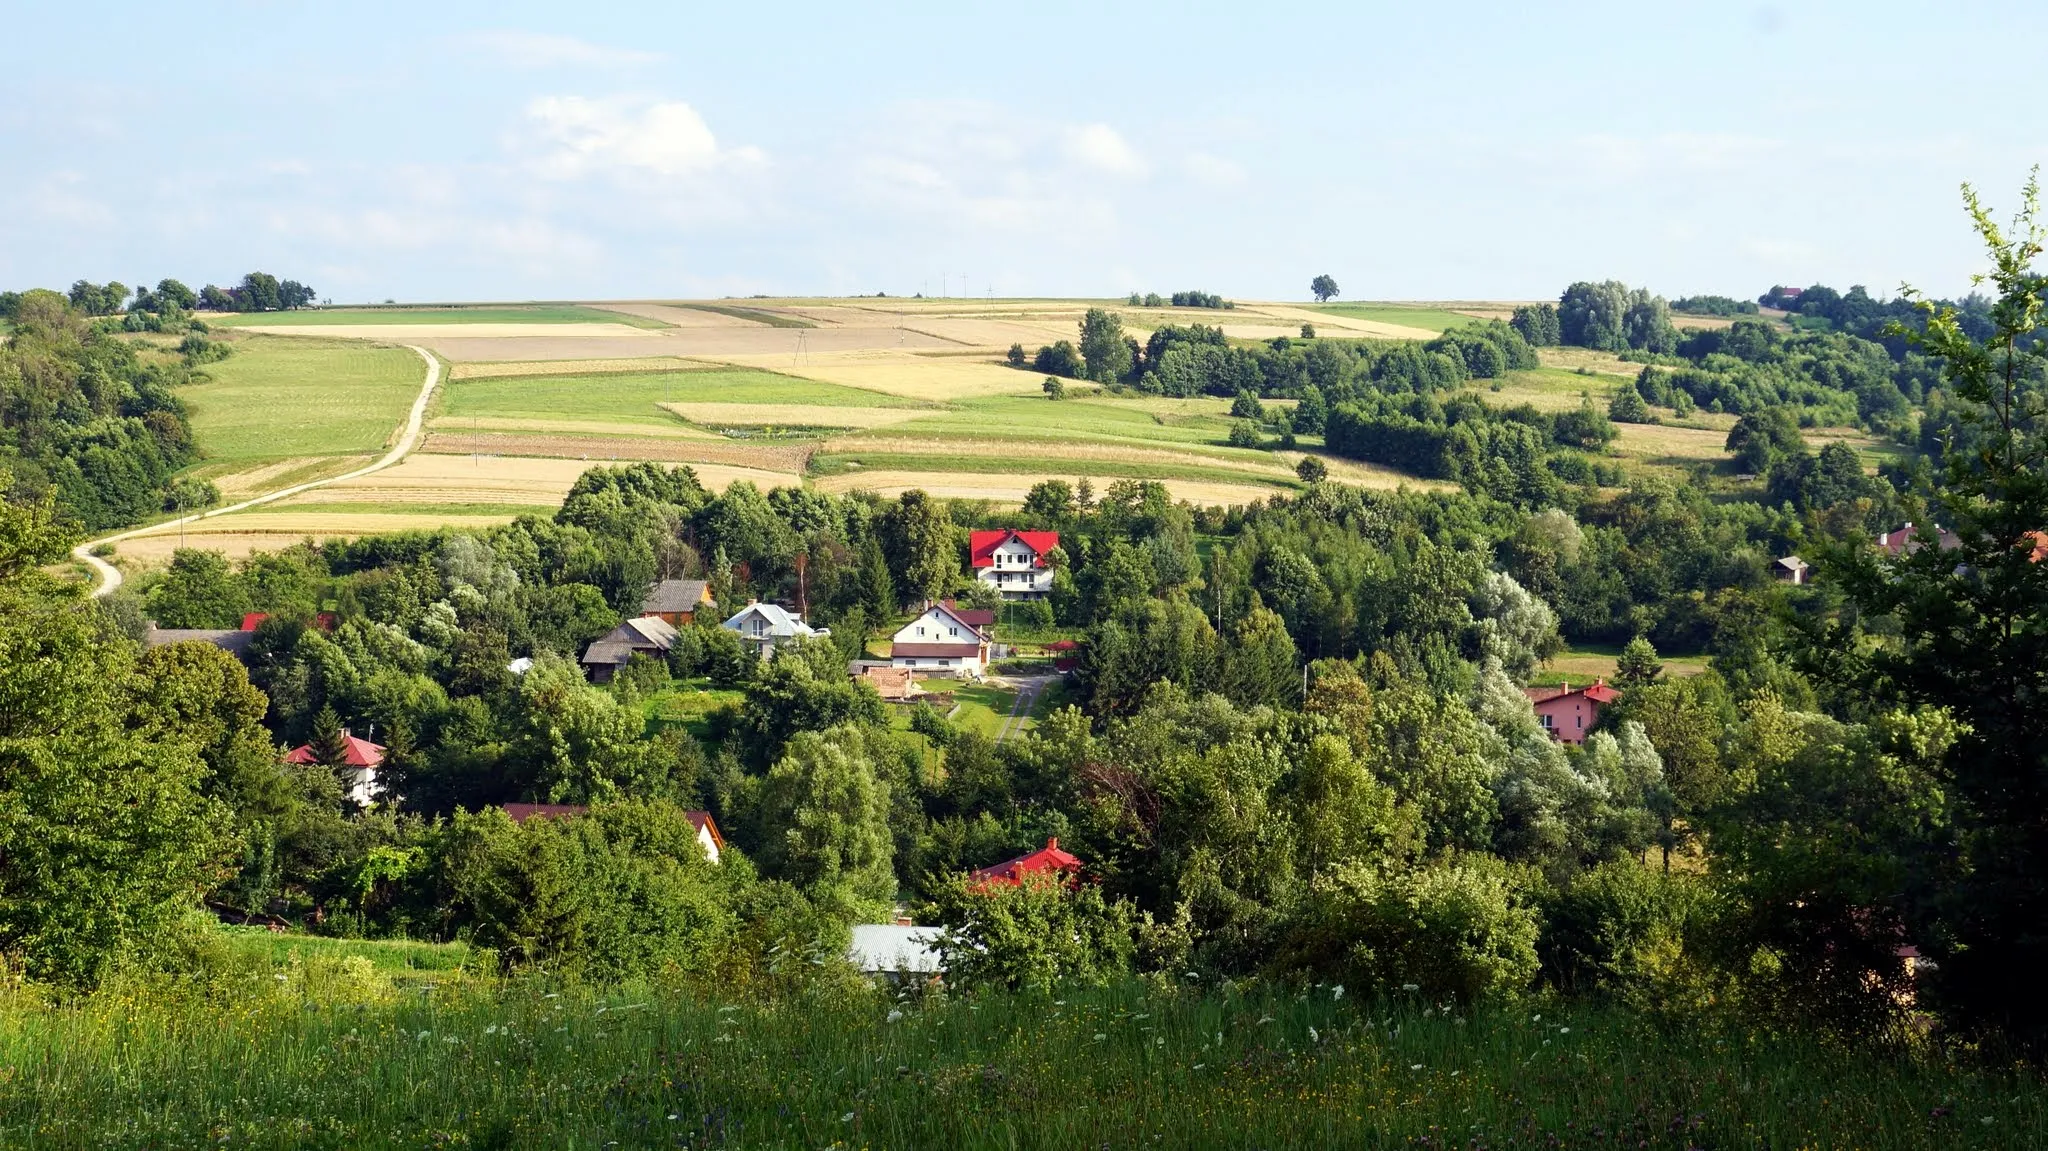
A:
(278, 396)
(1406, 315)
(276, 1065)
(636, 397)
(479, 314)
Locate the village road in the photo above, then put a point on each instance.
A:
(110, 576)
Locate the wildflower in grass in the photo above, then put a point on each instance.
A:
(1265, 1019)
(1415, 1067)
(1337, 992)
(893, 1016)
(1099, 1037)
(1564, 1031)
(1411, 987)
(1313, 1037)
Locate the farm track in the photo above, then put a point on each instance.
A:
(110, 577)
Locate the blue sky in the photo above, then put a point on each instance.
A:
(1414, 151)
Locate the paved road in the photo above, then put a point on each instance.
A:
(110, 576)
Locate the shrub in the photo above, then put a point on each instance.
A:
(1037, 934)
(1245, 434)
(1459, 929)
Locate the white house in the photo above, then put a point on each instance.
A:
(766, 626)
(1013, 562)
(940, 641)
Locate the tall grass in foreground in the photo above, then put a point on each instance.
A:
(294, 1063)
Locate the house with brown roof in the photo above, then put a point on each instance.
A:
(1568, 712)
(675, 601)
(647, 635)
(896, 684)
(940, 642)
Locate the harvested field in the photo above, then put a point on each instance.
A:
(995, 450)
(283, 527)
(1011, 487)
(793, 415)
(576, 342)
(469, 314)
(427, 478)
(237, 481)
(1360, 474)
(987, 332)
(488, 369)
(424, 331)
(678, 315)
(931, 378)
(786, 460)
(456, 424)
(638, 398)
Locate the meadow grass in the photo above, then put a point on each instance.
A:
(438, 314)
(688, 705)
(1406, 315)
(637, 397)
(296, 1063)
(288, 396)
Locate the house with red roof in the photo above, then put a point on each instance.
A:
(1013, 562)
(940, 641)
(360, 760)
(1568, 712)
(1049, 861)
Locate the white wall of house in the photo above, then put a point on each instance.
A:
(1013, 570)
(936, 626)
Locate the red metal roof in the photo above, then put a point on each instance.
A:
(1598, 692)
(1047, 858)
(251, 620)
(355, 752)
(983, 544)
(935, 650)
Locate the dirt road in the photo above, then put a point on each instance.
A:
(110, 576)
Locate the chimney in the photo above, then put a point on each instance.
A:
(1052, 843)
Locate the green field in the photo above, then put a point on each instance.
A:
(1407, 315)
(311, 1057)
(289, 396)
(772, 319)
(636, 397)
(981, 708)
(438, 314)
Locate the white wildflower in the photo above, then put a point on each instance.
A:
(893, 1016)
(1337, 992)
(846, 1118)
(1099, 1037)
(1313, 1037)
(1415, 1067)
(1411, 987)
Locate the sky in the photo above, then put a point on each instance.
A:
(1448, 151)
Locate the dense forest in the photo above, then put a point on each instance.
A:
(1296, 746)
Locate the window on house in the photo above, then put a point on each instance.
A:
(920, 629)
(952, 631)
(1547, 722)
(1582, 722)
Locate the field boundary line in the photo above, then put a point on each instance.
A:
(110, 577)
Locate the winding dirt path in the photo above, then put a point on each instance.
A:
(110, 576)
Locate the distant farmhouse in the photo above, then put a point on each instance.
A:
(764, 627)
(1013, 562)
(649, 635)
(360, 759)
(1568, 712)
(941, 640)
(675, 601)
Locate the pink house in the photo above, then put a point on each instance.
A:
(1568, 712)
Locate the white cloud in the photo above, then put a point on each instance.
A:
(578, 136)
(1101, 147)
(544, 50)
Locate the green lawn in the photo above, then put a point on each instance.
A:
(288, 396)
(983, 708)
(1588, 661)
(391, 956)
(438, 314)
(688, 705)
(1406, 315)
(636, 397)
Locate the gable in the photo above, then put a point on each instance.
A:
(937, 625)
